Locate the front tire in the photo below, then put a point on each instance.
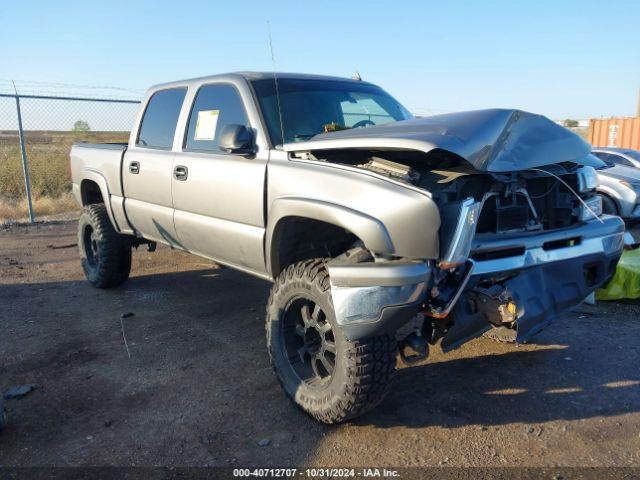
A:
(328, 376)
(105, 255)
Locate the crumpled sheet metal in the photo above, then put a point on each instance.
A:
(492, 140)
(625, 284)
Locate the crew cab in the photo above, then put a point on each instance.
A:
(383, 234)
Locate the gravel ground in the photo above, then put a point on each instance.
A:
(196, 388)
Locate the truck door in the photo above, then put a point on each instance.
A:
(219, 197)
(147, 168)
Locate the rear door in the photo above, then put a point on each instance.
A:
(219, 197)
(147, 168)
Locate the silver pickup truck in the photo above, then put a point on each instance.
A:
(382, 234)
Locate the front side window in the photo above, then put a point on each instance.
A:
(160, 118)
(310, 107)
(214, 107)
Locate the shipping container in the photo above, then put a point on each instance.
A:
(615, 132)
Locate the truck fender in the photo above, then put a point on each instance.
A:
(607, 191)
(101, 181)
(370, 230)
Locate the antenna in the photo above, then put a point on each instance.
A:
(275, 81)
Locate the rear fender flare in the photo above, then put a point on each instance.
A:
(101, 181)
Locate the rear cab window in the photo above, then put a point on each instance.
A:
(214, 106)
(158, 125)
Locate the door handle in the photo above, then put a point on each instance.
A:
(180, 173)
(134, 167)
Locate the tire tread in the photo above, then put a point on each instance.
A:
(370, 363)
(115, 250)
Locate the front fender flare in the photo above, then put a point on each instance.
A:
(370, 230)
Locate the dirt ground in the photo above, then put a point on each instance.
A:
(197, 389)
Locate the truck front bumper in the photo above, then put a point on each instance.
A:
(556, 271)
(371, 299)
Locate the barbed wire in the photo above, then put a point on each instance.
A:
(33, 87)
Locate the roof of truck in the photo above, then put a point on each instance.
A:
(256, 76)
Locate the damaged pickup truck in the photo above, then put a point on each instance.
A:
(383, 234)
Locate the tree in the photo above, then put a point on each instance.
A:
(81, 126)
(569, 123)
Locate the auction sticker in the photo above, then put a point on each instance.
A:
(206, 124)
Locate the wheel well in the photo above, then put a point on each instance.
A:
(615, 202)
(299, 238)
(90, 192)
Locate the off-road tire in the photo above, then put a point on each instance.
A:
(110, 265)
(362, 371)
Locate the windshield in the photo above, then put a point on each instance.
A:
(310, 107)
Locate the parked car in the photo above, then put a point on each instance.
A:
(618, 156)
(619, 185)
(383, 234)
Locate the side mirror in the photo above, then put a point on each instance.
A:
(235, 138)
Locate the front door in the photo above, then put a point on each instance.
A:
(218, 197)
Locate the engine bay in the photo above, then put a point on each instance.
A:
(534, 199)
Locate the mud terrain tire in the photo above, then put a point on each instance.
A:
(105, 254)
(358, 377)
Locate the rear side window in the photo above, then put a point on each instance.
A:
(160, 118)
(214, 107)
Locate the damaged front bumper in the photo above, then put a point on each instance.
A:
(546, 274)
(371, 299)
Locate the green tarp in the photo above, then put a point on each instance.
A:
(626, 282)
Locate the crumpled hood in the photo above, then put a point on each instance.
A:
(493, 140)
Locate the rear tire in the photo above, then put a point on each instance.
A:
(328, 376)
(105, 254)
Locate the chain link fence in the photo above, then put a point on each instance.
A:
(50, 125)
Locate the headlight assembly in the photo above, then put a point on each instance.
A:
(594, 205)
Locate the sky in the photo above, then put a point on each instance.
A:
(563, 59)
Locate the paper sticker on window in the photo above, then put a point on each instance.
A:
(206, 125)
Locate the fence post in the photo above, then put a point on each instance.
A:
(25, 166)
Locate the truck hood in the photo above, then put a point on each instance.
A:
(493, 140)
